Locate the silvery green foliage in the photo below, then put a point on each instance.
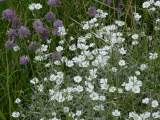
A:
(112, 78)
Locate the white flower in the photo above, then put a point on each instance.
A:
(17, 100)
(157, 3)
(137, 72)
(143, 67)
(78, 79)
(94, 96)
(49, 40)
(15, 114)
(146, 100)
(136, 89)
(69, 63)
(54, 113)
(134, 42)
(102, 98)
(120, 90)
(146, 4)
(79, 88)
(86, 27)
(51, 91)
(153, 56)
(137, 16)
(16, 48)
(53, 77)
(59, 48)
(78, 112)
(156, 114)
(66, 109)
(72, 47)
(116, 113)
(40, 88)
(34, 80)
(121, 62)
(112, 89)
(38, 6)
(155, 103)
(114, 69)
(119, 23)
(135, 36)
(32, 6)
(44, 47)
(62, 31)
(122, 51)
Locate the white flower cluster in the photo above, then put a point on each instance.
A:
(35, 6)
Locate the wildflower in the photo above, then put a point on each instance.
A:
(136, 89)
(17, 100)
(120, 5)
(54, 3)
(137, 16)
(146, 4)
(15, 114)
(16, 48)
(122, 51)
(49, 16)
(146, 100)
(119, 23)
(134, 42)
(24, 60)
(116, 113)
(32, 6)
(114, 69)
(135, 36)
(157, 3)
(24, 32)
(121, 62)
(78, 79)
(33, 46)
(155, 103)
(112, 89)
(59, 48)
(54, 113)
(153, 56)
(58, 23)
(79, 88)
(1, 0)
(16, 22)
(37, 23)
(8, 14)
(53, 56)
(94, 96)
(10, 44)
(61, 31)
(143, 67)
(38, 6)
(12, 34)
(44, 48)
(137, 72)
(78, 112)
(34, 81)
(108, 1)
(40, 88)
(92, 11)
(66, 109)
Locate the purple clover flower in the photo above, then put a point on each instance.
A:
(120, 6)
(92, 11)
(33, 46)
(1, 0)
(108, 1)
(12, 34)
(49, 16)
(10, 44)
(16, 22)
(54, 3)
(45, 34)
(54, 56)
(23, 32)
(8, 14)
(57, 24)
(24, 60)
(37, 23)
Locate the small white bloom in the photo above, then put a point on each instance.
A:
(116, 113)
(16, 48)
(112, 89)
(146, 4)
(155, 103)
(78, 79)
(66, 109)
(59, 48)
(146, 100)
(136, 89)
(38, 6)
(135, 36)
(122, 63)
(15, 114)
(137, 72)
(17, 100)
(78, 112)
(34, 80)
